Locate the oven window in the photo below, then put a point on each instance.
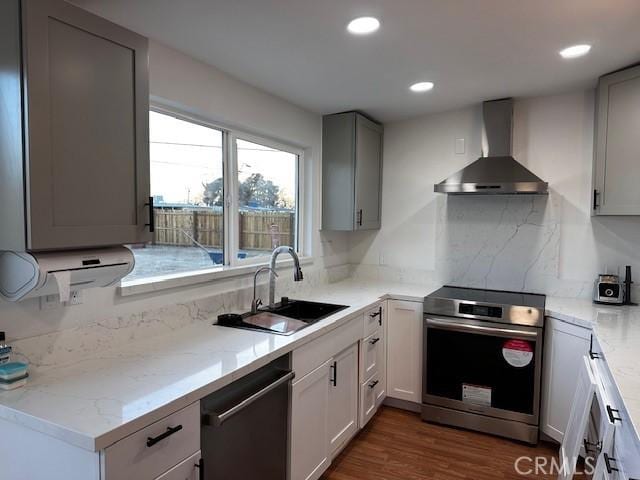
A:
(473, 368)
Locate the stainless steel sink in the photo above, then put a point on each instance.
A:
(285, 318)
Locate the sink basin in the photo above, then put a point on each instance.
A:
(286, 318)
(308, 312)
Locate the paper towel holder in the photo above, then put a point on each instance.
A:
(36, 274)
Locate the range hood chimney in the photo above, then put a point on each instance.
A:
(496, 172)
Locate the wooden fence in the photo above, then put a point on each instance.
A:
(259, 230)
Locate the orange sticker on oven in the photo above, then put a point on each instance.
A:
(517, 353)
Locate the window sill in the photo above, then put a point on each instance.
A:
(186, 279)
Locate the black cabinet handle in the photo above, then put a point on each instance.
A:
(613, 414)
(334, 380)
(593, 355)
(373, 384)
(152, 217)
(607, 463)
(377, 314)
(200, 467)
(151, 441)
(360, 217)
(373, 341)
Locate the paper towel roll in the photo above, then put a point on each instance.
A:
(63, 279)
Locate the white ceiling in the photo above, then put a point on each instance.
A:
(473, 50)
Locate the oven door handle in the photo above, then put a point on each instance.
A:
(467, 328)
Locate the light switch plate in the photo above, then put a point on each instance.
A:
(459, 148)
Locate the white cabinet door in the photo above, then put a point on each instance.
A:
(404, 350)
(578, 420)
(343, 398)
(309, 418)
(564, 348)
(617, 148)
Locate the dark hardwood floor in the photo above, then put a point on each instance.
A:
(397, 445)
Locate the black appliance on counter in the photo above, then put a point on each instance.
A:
(244, 433)
(483, 360)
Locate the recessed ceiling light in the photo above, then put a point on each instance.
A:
(421, 87)
(363, 25)
(575, 51)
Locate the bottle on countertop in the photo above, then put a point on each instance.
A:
(12, 374)
(5, 350)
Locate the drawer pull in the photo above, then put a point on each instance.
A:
(377, 314)
(607, 463)
(613, 414)
(373, 341)
(593, 355)
(151, 441)
(373, 384)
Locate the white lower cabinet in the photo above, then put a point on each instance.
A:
(343, 399)
(155, 449)
(310, 454)
(186, 470)
(565, 345)
(404, 350)
(370, 398)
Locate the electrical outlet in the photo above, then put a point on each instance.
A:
(381, 258)
(49, 302)
(459, 148)
(75, 298)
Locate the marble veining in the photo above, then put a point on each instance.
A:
(94, 401)
(498, 242)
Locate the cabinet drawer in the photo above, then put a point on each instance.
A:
(187, 470)
(373, 318)
(132, 457)
(370, 354)
(313, 354)
(370, 398)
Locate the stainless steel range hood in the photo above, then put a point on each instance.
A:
(496, 172)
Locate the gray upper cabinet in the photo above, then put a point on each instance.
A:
(76, 113)
(617, 149)
(351, 172)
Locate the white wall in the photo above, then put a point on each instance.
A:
(542, 244)
(198, 88)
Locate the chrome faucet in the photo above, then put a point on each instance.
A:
(297, 272)
(256, 302)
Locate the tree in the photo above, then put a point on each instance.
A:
(255, 191)
(213, 193)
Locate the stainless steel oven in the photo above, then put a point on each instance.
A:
(483, 361)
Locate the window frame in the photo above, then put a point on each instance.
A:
(231, 205)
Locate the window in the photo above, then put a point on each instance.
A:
(216, 206)
(266, 190)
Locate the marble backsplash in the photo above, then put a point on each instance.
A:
(68, 345)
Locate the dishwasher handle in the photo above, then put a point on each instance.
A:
(217, 419)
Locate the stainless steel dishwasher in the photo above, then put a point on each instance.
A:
(245, 426)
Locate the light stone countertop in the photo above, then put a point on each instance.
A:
(93, 403)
